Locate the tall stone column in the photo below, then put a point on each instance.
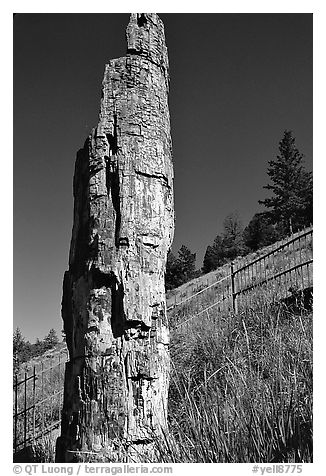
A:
(113, 304)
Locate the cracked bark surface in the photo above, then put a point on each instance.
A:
(113, 304)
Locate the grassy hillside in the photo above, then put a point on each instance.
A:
(241, 388)
(285, 258)
(45, 360)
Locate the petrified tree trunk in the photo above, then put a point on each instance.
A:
(113, 303)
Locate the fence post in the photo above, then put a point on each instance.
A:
(234, 294)
(42, 393)
(25, 409)
(16, 411)
(34, 392)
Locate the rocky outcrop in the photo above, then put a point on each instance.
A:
(113, 305)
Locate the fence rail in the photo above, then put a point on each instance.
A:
(284, 271)
(288, 267)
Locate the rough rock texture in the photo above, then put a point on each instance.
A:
(113, 305)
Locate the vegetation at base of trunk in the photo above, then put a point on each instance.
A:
(241, 387)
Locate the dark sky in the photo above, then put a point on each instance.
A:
(237, 81)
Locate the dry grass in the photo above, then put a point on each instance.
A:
(241, 387)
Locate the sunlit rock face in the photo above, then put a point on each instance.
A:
(113, 303)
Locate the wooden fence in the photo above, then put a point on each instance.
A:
(38, 397)
(282, 272)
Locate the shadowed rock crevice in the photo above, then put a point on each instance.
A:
(117, 314)
(154, 176)
(100, 279)
(113, 191)
(141, 19)
(113, 138)
(79, 250)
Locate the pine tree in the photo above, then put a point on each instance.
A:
(51, 340)
(18, 347)
(18, 341)
(232, 243)
(260, 232)
(180, 269)
(290, 206)
(39, 347)
(214, 255)
(171, 272)
(22, 349)
(187, 263)
(226, 246)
